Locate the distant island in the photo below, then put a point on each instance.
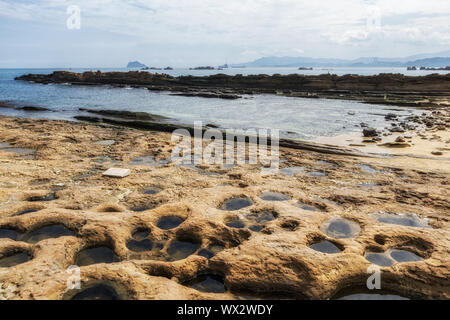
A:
(136, 64)
(203, 68)
(305, 68)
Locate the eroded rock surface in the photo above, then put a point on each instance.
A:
(180, 246)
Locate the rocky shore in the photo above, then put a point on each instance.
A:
(166, 231)
(387, 89)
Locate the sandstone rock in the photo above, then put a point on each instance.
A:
(370, 132)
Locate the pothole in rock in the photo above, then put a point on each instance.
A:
(210, 283)
(152, 190)
(256, 228)
(27, 153)
(97, 292)
(169, 222)
(408, 220)
(14, 258)
(143, 207)
(237, 203)
(181, 249)
(290, 225)
(49, 197)
(144, 161)
(292, 171)
(341, 228)
(39, 182)
(262, 216)
(140, 245)
(234, 222)
(327, 163)
(325, 247)
(274, 196)
(404, 256)
(367, 169)
(380, 259)
(211, 251)
(391, 257)
(316, 174)
(306, 207)
(48, 232)
(96, 255)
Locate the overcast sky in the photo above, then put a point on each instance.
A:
(210, 32)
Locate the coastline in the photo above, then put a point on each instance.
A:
(66, 159)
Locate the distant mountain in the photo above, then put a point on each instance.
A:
(135, 64)
(441, 59)
(430, 62)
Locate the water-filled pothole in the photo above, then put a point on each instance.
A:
(211, 283)
(144, 161)
(256, 228)
(306, 207)
(211, 251)
(169, 222)
(234, 222)
(96, 255)
(341, 228)
(48, 232)
(325, 247)
(152, 190)
(14, 258)
(9, 234)
(404, 256)
(140, 245)
(290, 225)
(262, 216)
(292, 171)
(179, 250)
(369, 185)
(380, 259)
(274, 196)
(408, 220)
(97, 292)
(49, 197)
(238, 203)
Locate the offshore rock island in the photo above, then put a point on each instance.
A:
(388, 89)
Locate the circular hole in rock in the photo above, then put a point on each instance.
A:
(290, 225)
(316, 174)
(97, 292)
(234, 223)
(263, 216)
(211, 251)
(407, 220)
(292, 171)
(256, 228)
(140, 245)
(143, 208)
(238, 203)
(169, 222)
(152, 190)
(14, 258)
(48, 232)
(380, 259)
(341, 228)
(404, 256)
(210, 283)
(140, 234)
(179, 250)
(274, 196)
(90, 256)
(325, 247)
(306, 207)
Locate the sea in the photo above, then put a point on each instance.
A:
(296, 118)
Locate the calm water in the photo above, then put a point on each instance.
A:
(295, 117)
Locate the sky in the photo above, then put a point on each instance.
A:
(189, 33)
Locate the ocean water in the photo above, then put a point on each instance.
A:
(297, 118)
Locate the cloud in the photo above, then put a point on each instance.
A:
(245, 28)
